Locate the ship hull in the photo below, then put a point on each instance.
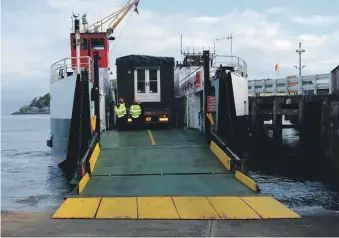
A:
(62, 96)
(61, 107)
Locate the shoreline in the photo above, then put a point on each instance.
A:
(41, 224)
(30, 113)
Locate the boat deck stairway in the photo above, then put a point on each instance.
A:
(166, 174)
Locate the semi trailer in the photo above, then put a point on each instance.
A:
(149, 80)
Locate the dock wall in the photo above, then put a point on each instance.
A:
(315, 117)
(330, 133)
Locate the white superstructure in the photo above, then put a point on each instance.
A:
(189, 82)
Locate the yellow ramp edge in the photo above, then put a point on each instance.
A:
(118, 208)
(94, 157)
(78, 208)
(269, 208)
(179, 208)
(195, 208)
(83, 182)
(224, 159)
(156, 208)
(232, 208)
(246, 181)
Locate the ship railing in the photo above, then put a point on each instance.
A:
(67, 66)
(239, 65)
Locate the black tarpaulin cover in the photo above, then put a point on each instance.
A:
(144, 60)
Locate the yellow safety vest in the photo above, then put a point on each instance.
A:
(121, 110)
(135, 111)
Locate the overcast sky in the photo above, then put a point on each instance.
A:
(35, 34)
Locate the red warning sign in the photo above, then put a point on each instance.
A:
(211, 104)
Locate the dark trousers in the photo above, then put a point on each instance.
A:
(121, 122)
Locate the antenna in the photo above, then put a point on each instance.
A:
(181, 44)
(72, 29)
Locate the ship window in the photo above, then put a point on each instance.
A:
(85, 44)
(141, 80)
(153, 81)
(98, 44)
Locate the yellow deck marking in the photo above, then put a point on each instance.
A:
(151, 137)
(194, 208)
(268, 208)
(83, 182)
(118, 208)
(246, 180)
(174, 208)
(232, 208)
(156, 208)
(224, 159)
(94, 157)
(78, 208)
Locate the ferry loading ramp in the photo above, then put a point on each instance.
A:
(166, 174)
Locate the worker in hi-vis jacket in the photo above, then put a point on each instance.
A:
(135, 111)
(120, 110)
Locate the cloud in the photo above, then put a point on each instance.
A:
(31, 45)
(316, 20)
(276, 10)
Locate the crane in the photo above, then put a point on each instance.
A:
(115, 18)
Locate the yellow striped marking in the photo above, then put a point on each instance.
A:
(118, 208)
(194, 208)
(232, 208)
(224, 159)
(151, 137)
(156, 208)
(179, 208)
(210, 118)
(269, 208)
(246, 180)
(78, 208)
(83, 182)
(94, 157)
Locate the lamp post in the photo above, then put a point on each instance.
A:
(300, 51)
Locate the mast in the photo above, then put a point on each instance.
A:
(77, 40)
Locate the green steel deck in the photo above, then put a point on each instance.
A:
(165, 174)
(179, 164)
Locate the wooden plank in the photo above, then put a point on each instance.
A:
(118, 207)
(78, 208)
(156, 208)
(232, 208)
(269, 208)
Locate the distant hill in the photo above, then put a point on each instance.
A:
(39, 105)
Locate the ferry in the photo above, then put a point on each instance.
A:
(191, 169)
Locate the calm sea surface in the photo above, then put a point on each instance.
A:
(29, 181)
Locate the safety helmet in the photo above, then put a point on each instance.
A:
(134, 101)
(121, 100)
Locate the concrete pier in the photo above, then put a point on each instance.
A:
(40, 224)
